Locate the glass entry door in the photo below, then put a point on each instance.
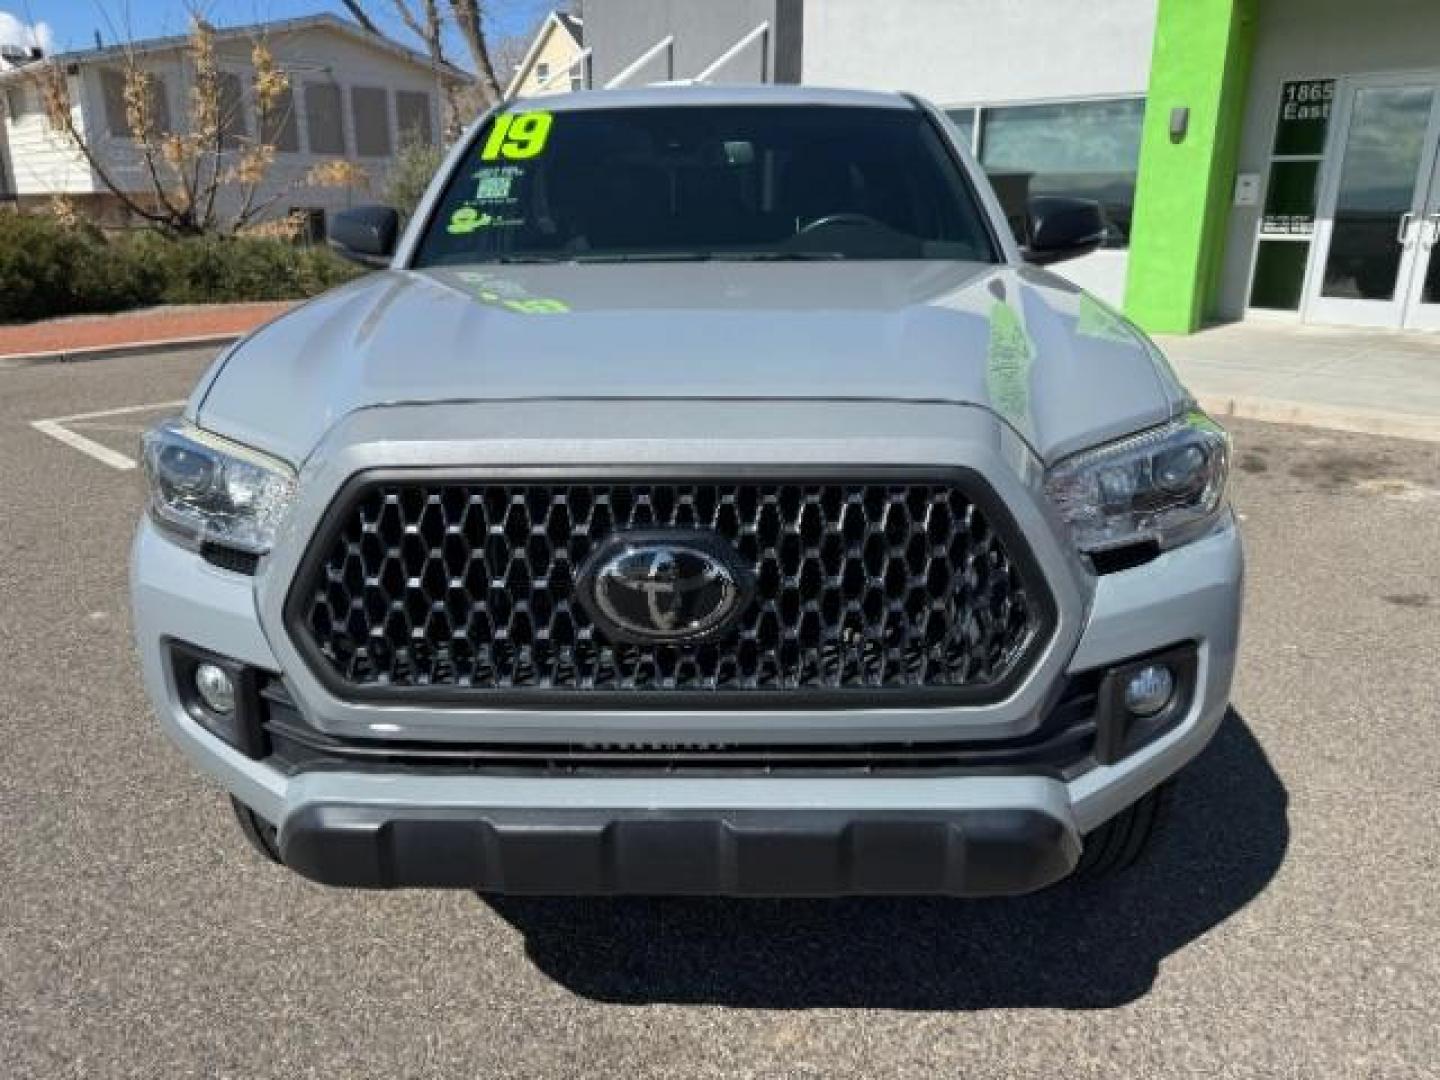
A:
(1422, 312)
(1372, 230)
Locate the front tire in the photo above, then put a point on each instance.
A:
(263, 837)
(1120, 842)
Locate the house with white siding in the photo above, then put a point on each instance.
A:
(353, 95)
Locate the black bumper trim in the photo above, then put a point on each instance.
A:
(981, 852)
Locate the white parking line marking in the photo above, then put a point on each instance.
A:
(119, 425)
(121, 411)
(102, 454)
(54, 426)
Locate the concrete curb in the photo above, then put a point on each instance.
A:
(129, 348)
(1381, 422)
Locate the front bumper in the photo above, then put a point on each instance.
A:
(800, 852)
(962, 832)
(960, 835)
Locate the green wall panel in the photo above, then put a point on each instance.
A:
(1201, 62)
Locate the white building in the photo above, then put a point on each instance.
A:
(1046, 90)
(353, 95)
(1275, 159)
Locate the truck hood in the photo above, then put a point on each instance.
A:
(1064, 370)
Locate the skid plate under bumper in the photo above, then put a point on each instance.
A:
(972, 852)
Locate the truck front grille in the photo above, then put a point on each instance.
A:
(465, 589)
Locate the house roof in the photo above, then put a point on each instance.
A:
(324, 21)
(565, 23)
(574, 24)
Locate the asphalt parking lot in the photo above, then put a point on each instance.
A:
(1287, 926)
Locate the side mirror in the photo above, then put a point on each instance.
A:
(1063, 228)
(366, 234)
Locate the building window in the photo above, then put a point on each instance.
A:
(20, 102)
(112, 91)
(117, 122)
(577, 82)
(312, 223)
(323, 125)
(278, 127)
(1279, 275)
(542, 70)
(160, 106)
(1086, 149)
(1287, 221)
(964, 121)
(370, 113)
(234, 125)
(412, 111)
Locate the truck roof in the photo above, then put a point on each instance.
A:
(679, 94)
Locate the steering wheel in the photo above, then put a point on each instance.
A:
(841, 219)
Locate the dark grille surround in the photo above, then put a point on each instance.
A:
(463, 589)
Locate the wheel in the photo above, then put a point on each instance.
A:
(1118, 843)
(263, 836)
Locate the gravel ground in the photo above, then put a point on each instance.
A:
(1286, 926)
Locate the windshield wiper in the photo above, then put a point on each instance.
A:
(672, 256)
(712, 256)
(649, 256)
(781, 256)
(535, 257)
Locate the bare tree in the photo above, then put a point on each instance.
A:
(186, 166)
(506, 53)
(471, 26)
(426, 19)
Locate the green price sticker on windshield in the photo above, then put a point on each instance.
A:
(517, 136)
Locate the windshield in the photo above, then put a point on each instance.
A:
(703, 182)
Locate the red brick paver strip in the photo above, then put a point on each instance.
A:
(91, 333)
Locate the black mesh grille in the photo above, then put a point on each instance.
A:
(469, 586)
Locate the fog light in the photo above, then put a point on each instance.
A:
(215, 688)
(1149, 689)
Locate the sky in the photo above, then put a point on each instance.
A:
(71, 24)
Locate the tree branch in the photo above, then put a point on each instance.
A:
(59, 107)
(472, 29)
(361, 16)
(183, 168)
(411, 21)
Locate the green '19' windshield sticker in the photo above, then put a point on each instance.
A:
(517, 136)
(1008, 360)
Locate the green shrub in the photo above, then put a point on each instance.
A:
(224, 269)
(319, 269)
(117, 276)
(410, 175)
(48, 269)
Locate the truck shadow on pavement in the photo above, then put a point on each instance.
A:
(1084, 946)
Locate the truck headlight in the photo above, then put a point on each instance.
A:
(205, 489)
(1165, 486)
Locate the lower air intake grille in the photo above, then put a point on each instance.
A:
(465, 589)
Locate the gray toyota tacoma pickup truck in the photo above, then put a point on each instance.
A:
(708, 493)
